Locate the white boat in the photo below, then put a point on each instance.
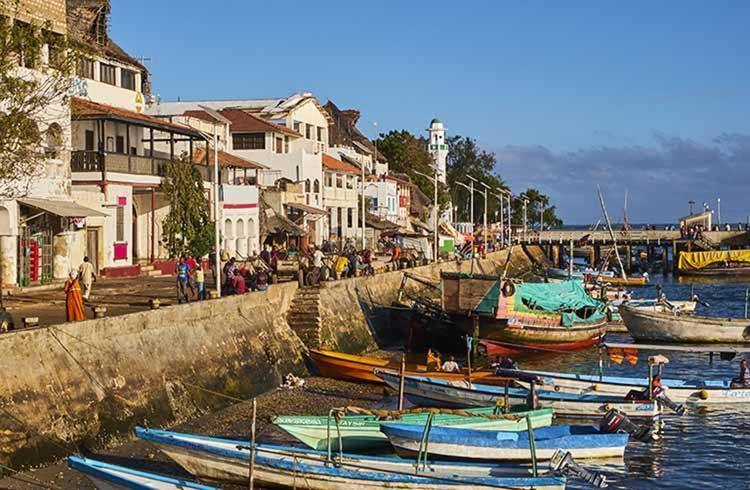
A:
(648, 305)
(431, 391)
(707, 392)
(228, 461)
(663, 325)
(107, 476)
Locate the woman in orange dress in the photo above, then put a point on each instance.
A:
(74, 299)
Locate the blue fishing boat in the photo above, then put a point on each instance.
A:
(583, 442)
(107, 476)
(227, 460)
(423, 390)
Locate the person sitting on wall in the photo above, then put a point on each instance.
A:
(743, 380)
(262, 281)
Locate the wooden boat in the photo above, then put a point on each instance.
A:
(227, 460)
(647, 304)
(495, 348)
(580, 274)
(633, 281)
(714, 263)
(666, 326)
(438, 392)
(107, 476)
(363, 431)
(708, 392)
(523, 314)
(583, 442)
(351, 367)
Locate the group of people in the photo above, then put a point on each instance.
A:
(242, 279)
(694, 232)
(190, 277)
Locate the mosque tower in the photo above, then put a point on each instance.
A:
(438, 147)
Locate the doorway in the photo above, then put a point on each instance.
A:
(92, 247)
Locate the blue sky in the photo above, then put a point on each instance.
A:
(652, 96)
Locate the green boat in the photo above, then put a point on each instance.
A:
(363, 431)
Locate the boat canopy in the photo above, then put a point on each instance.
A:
(701, 260)
(555, 296)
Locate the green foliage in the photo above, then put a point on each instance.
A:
(187, 227)
(407, 154)
(33, 80)
(537, 200)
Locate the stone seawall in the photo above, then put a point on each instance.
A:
(87, 382)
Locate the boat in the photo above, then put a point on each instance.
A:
(438, 392)
(226, 460)
(580, 274)
(632, 281)
(495, 348)
(359, 432)
(664, 325)
(714, 263)
(706, 392)
(648, 304)
(351, 367)
(524, 314)
(582, 441)
(107, 476)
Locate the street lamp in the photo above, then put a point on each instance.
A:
(470, 188)
(484, 217)
(690, 204)
(435, 209)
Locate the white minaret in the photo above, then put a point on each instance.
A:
(438, 147)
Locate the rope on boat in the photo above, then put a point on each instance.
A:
(396, 414)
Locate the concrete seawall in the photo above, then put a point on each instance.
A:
(89, 381)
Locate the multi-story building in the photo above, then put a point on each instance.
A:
(341, 186)
(288, 136)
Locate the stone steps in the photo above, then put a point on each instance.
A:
(304, 316)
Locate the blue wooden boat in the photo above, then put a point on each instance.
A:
(107, 476)
(423, 390)
(583, 442)
(227, 460)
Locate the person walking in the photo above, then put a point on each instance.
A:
(87, 277)
(182, 281)
(200, 281)
(73, 299)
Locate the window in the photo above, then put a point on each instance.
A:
(307, 185)
(339, 181)
(133, 150)
(350, 217)
(89, 138)
(249, 141)
(320, 134)
(86, 68)
(120, 224)
(279, 145)
(107, 74)
(54, 140)
(286, 144)
(120, 144)
(329, 179)
(309, 131)
(127, 79)
(316, 186)
(349, 182)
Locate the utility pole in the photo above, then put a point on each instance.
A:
(718, 208)
(525, 226)
(435, 209)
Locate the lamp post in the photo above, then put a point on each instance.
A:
(484, 216)
(718, 208)
(435, 210)
(470, 188)
(691, 203)
(525, 220)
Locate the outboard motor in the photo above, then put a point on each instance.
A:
(563, 464)
(616, 421)
(677, 408)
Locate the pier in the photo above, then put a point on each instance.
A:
(656, 243)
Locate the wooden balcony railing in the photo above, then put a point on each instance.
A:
(94, 161)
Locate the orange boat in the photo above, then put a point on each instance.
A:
(359, 368)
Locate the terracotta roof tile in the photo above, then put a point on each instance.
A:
(334, 164)
(225, 159)
(244, 122)
(86, 109)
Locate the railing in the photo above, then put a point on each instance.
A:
(94, 161)
(86, 161)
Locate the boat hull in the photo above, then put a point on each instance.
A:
(363, 432)
(655, 326)
(495, 348)
(221, 460)
(423, 390)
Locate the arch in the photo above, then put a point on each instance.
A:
(53, 139)
(307, 185)
(316, 186)
(251, 231)
(4, 221)
(239, 227)
(228, 228)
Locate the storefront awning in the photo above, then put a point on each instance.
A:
(307, 209)
(65, 209)
(282, 224)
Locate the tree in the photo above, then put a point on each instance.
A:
(537, 200)
(188, 226)
(407, 154)
(36, 68)
(466, 158)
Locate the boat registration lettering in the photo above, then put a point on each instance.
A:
(737, 393)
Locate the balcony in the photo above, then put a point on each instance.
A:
(94, 161)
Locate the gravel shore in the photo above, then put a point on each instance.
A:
(316, 397)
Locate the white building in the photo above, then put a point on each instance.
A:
(288, 136)
(438, 148)
(341, 186)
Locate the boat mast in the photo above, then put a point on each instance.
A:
(611, 233)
